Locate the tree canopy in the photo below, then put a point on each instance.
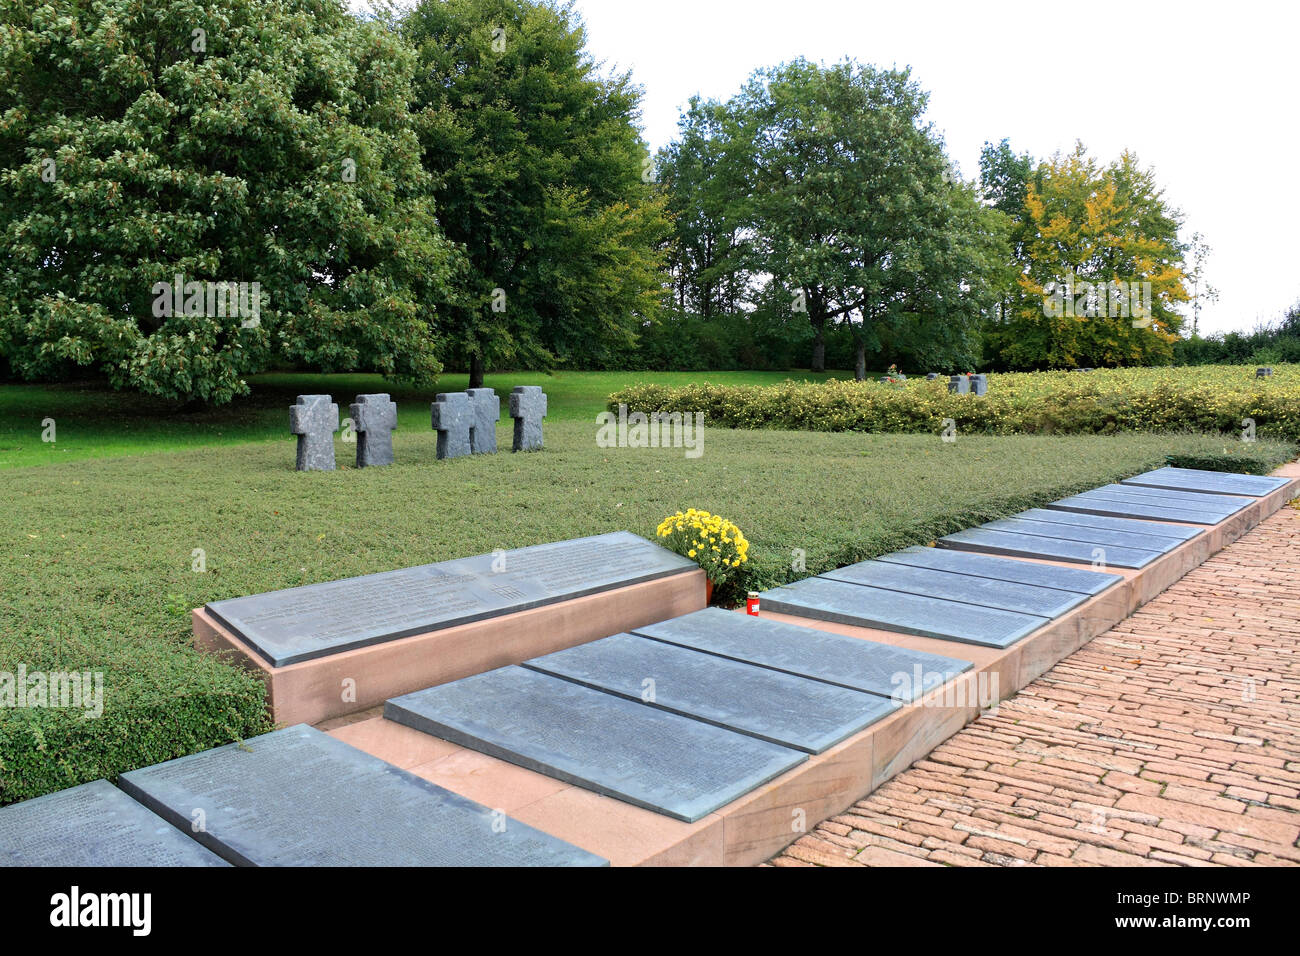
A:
(854, 210)
(541, 176)
(460, 183)
(225, 142)
(1099, 268)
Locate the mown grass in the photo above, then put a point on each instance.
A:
(96, 556)
(90, 422)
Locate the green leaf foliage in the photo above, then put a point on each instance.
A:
(232, 141)
(541, 176)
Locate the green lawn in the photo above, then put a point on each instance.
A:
(96, 555)
(93, 423)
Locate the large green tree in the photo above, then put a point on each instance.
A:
(230, 141)
(703, 175)
(541, 176)
(1004, 186)
(854, 210)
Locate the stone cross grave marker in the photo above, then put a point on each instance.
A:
(374, 417)
(979, 384)
(959, 384)
(314, 419)
(528, 408)
(453, 418)
(487, 412)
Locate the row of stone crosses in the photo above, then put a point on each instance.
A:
(964, 384)
(466, 423)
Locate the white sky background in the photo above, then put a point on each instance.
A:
(1206, 93)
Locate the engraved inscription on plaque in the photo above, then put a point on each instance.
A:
(299, 797)
(94, 824)
(662, 761)
(302, 623)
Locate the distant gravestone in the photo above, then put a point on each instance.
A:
(1086, 370)
(453, 418)
(979, 384)
(931, 376)
(959, 384)
(314, 419)
(1263, 372)
(374, 417)
(528, 408)
(487, 412)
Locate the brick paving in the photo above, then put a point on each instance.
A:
(1172, 739)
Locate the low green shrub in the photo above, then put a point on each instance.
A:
(1207, 399)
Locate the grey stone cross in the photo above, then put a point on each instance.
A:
(374, 417)
(453, 418)
(487, 412)
(314, 419)
(528, 408)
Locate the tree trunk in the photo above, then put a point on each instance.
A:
(860, 366)
(476, 371)
(819, 344)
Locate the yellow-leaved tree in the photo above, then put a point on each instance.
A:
(1101, 269)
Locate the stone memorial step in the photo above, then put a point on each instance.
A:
(94, 824)
(303, 623)
(1175, 532)
(863, 606)
(299, 797)
(1114, 506)
(781, 708)
(1047, 548)
(1104, 536)
(879, 669)
(1180, 499)
(1004, 595)
(650, 758)
(1210, 482)
(983, 565)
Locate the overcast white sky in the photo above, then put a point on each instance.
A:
(1207, 93)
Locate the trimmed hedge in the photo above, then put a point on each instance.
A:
(1209, 399)
(46, 750)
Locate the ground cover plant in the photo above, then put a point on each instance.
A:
(101, 560)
